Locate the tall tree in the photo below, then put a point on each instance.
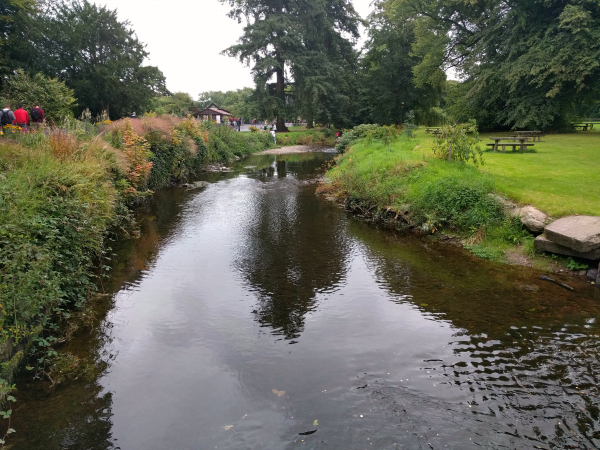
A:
(297, 41)
(95, 54)
(527, 63)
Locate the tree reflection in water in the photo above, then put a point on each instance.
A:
(296, 249)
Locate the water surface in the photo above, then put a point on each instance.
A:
(253, 311)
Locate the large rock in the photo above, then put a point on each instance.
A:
(532, 218)
(580, 233)
(545, 245)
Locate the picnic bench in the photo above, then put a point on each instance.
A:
(432, 129)
(585, 125)
(521, 143)
(533, 135)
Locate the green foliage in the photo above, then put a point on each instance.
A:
(95, 54)
(430, 193)
(388, 90)
(528, 64)
(178, 104)
(55, 98)
(458, 200)
(574, 265)
(459, 143)
(349, 137)
(309, 40)
(54, 216)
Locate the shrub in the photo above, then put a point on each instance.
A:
(459, 143)
(55, 98)
(459, 200)
(349, 137)
(305, 139)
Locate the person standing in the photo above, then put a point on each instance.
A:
(21, 117)
(37, 116)
(274, 134)
(7, 117)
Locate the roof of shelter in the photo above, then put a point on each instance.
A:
(214, 109)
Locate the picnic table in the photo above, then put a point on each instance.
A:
(432, 129)
(585, 125)
(529, 134)
(521, 143)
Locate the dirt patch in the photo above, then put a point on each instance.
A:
(292, 149)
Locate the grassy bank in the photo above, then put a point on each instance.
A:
(405, 184)
(63, 194)
(560, 175)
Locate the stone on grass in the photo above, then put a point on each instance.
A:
(544, 244)
(532, 218)
(580, 233)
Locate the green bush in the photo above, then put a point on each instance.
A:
(56, 99)
(349, 137)
(459, 200)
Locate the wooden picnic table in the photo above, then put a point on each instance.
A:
(585, 125)
(432, 129)
(533, 137)
(521, 144)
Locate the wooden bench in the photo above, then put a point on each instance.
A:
(432, 129)
(514, 145)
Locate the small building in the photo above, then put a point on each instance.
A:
(214, 114)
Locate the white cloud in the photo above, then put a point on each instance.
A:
(185, 38)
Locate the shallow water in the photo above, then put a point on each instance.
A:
(253, 311)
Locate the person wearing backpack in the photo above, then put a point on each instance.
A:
(37, 116)
(7, 117)
(21, 118)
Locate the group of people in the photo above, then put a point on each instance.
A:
(21, 118)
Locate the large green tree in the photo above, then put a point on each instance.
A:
(526, 63)
(299, 42)
(388, 89)
(94, 53)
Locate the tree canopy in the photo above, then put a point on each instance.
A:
(302, 43)
(88, 48)
(525, 64)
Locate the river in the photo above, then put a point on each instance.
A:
(255, 314)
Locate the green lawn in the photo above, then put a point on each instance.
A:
(561, 176)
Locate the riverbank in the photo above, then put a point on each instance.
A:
(65, 193)
(403, 185)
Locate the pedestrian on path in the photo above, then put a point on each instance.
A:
(21, 118)
(37, 116)
(7, 117)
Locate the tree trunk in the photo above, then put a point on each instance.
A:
(309, 117)
(281, 94)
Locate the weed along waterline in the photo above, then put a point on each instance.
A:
(253, 313)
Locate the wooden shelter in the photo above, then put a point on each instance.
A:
(214, 113)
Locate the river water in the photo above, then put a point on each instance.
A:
(253, 311)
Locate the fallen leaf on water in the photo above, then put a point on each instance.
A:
(316, 423)
(278, 393)
(228, 427)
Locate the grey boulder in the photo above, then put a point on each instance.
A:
(532, 218)
(579, 233)
(543, 244)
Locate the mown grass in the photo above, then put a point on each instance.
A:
(560, 176)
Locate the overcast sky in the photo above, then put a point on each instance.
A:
(185, 38)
